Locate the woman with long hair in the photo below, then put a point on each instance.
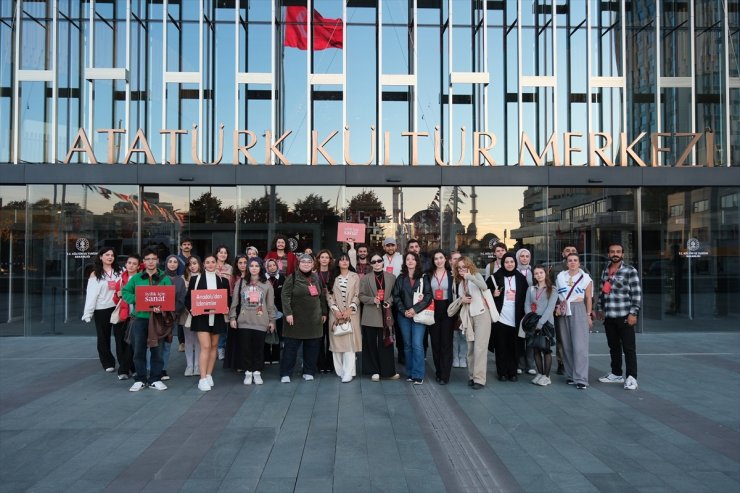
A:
(475, 319)
(575, 292)
(208, 326)
(235, 356)
(325, 264)
(99, 305)
(375, 296)
(509, 288)
(440, 276)
(252, 315)
(541, 299)
(344, 306)
(286, 260)
(194, 267)
(413, 332)
(225, 271)
(304, 305)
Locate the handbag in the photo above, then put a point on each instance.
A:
(426, 316)
(272, 337)
(127, 331)
(389, 336)
(115, 317)
(342, 328)
(540, 341)
(561, 309)
(488, 300)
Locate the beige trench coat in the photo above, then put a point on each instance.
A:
(350, 342)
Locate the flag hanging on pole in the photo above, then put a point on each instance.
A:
(327, 33)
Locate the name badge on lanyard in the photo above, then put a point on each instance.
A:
(313, 290)
(533, 307)
(389, 269)
(381, 294)
(439, 294)
(607, 287)
(112, 285)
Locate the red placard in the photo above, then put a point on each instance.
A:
(208, 301)
(351, 231)
(147, 297)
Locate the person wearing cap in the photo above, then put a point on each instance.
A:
(392, 260)
(305, 309)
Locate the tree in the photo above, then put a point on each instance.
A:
(258, 211)
(207, 209)
(366, 201)
(311, 209)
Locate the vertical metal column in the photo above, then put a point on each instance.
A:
(726, 42)
(165, 8)
(450, 91)
(344, 75)
(379, 88)
(201, 130)
(692, 58)
(520, 120)
(55, 80)
(309, 85)
(623, 61)
(16, 83)
(589, 87)
(658, 104)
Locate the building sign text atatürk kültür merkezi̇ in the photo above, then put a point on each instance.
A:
(599, 147)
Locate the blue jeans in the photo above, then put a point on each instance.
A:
(139, 332)
(290, 353)
(413, 345)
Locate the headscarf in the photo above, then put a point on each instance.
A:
(519, 265)
(169, 272)
(502, 270)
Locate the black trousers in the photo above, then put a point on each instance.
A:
(376, 358)
(104, 329)
(441, 338)
(620, 336)
(505, 336)
(124, 353)
(253, 347)
(325, 361)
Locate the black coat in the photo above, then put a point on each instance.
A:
(521, 293)
(403, 294)
(200, 322)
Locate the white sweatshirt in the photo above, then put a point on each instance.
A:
(99, 296)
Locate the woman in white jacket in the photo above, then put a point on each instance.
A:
(476, 319)
(99, 304)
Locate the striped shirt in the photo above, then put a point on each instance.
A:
(625, 296)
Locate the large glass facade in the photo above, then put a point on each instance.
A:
(232, 74)
(684, 241)
(585, 96)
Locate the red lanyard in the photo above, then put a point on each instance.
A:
(439, 280)
(538, 293)
(324, 278)
(510, 281)
(381, 283)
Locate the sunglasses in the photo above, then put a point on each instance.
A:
(376, 261)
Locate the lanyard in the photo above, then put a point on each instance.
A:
(324, 278)
(538, 293)
(439, 280)
(510, 281)
(380, 282)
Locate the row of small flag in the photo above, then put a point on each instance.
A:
(171, 216)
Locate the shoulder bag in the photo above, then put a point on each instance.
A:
(426, 316)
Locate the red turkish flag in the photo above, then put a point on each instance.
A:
(327, 33)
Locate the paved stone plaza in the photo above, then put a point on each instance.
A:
(67, 426)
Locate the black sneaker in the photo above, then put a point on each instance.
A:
(569, 382)
(471, 382)
(164, 376)
(418, 381)
(478, 386)
(581, 386)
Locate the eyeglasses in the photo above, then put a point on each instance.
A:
(376, 262)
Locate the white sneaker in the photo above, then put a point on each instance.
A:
(375, 377)
(189, 372)
(158, 385)
(285, 379)
(544, 381)
(346, 379)
(210, 380)
(307, 377)
(611, 378)
(532, 371)
(631, 383)
(536, 380)
(137, 386)
(110, 370)
(463, 363)
(221, 353)
(257, 376)
(203, 385)
(123, 376)
(456, 363)
(247, 378)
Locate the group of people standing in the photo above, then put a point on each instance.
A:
(361, 302)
